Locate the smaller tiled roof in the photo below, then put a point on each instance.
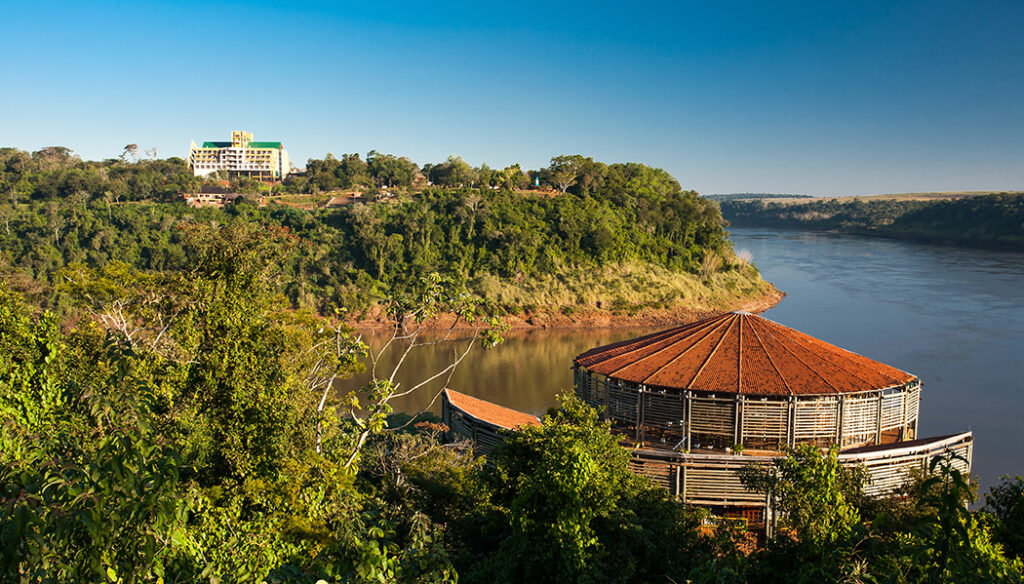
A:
(216, 144)
(486, 411)
(274, 145)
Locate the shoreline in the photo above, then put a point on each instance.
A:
(595, 318)
(926, 239)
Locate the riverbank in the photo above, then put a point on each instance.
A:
(990, 221)
(595, 317)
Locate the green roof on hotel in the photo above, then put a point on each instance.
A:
(275, 145)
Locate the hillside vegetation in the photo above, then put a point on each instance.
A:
(983, 220)
(631, 238)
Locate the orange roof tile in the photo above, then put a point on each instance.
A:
(491, 413)
(741, 353)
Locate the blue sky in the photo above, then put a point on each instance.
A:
(824, 98)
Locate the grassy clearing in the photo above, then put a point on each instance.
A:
(628, 286)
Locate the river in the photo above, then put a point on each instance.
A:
(954, 317)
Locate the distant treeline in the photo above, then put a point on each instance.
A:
(748, 196)
(987, 221)
(57, 173)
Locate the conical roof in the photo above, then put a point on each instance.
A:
(740, 353)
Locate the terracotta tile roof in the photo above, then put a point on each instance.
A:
(739, 352)
(488, 412)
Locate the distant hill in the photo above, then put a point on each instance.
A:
(964, 218)
(753, 196)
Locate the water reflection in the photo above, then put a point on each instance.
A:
(525, 372)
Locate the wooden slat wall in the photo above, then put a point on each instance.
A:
(888, 474)
(590, 388)
(860, 420)
(765, 423)
(622, 404)
(816, 419)
(659, 471)
(893, 410)
(713, 480)
(712, 416)
(487, 440)
(913, 403)
(717, 483)
(664, 419)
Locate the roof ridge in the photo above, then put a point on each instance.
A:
(770, 360)
(691, 333)
(804, 363)
(739, 356)
(732, 321)
(838, 364)
(673, 359)
(640, 342)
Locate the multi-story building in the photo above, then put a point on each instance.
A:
(240, 157)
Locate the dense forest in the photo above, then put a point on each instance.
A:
(185, 431)
(995, 220)
(516, 249)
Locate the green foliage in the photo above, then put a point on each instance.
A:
(55, 173)
(1005, 502)
(357, 255)
(949, 543)
(572, 510)
(30, 369)
(90, 489)
(812, 492)
(177, 423)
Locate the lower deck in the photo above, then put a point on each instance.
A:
(711, 478)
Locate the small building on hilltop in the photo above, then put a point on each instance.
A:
(241, 157)
(698, 402)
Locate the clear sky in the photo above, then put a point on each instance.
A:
(822, 98)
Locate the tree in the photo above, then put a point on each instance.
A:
(1005, 502)
(391, 170)
(564, 171)
(575, 512)
(130, 150)
(812, 493)
(91, 493)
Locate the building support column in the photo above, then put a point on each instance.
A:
(839, 421)
(791, 422)
(640, 414)
(738, 416)
(878, 427)
(687, 415)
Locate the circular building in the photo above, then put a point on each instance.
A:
(742, 382)
(690, 399)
